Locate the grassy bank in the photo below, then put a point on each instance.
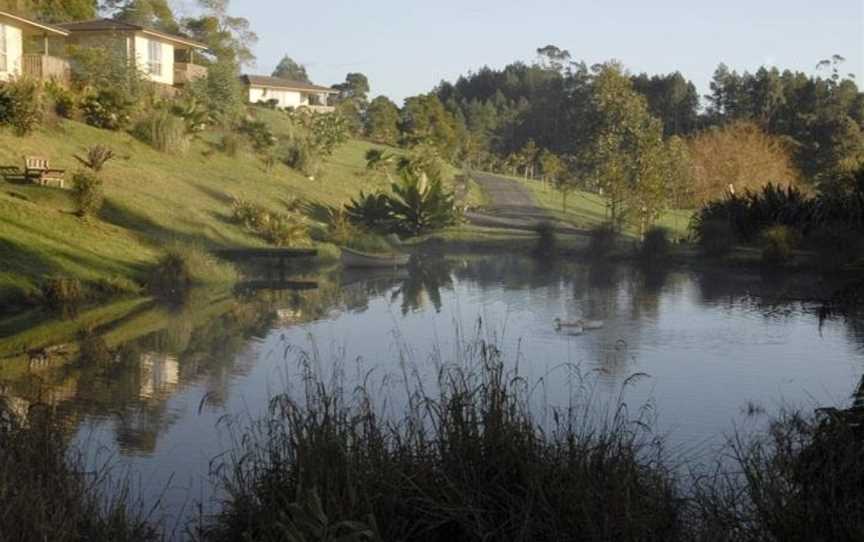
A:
(152, 198)
(586, 210)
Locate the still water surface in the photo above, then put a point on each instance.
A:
(710, 345)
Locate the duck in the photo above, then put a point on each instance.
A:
(581, 325)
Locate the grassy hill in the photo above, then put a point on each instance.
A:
(152, 199)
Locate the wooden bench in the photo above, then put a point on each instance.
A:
(38, 170)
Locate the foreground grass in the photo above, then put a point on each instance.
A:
(47, 493)
(466, 462)
(586, 210)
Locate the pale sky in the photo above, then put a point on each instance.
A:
(406, 47)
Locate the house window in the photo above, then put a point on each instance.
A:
(4, 60)
(154, 58)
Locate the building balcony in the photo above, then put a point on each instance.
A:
(186, 73)
(45, 67)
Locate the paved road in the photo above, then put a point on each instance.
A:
(510, 205)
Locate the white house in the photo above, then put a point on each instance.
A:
(286, 93)
(14, 62)
(164, 58)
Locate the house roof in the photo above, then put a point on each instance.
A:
(285, 84)
(110, 25)
(34, 25)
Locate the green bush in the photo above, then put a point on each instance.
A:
(371, 211)
(303, 157)
(65, 101)
(87, 192)
(420, 204)
(279, 229)
(163, 131)
(21, 105)
(601, 242)
(835, 246)
(715, 237)
(259, 134)
(655, 246)
(109, 109)
(778, 242)
(171, 278)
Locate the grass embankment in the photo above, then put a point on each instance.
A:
(586, 210)
(152, 198)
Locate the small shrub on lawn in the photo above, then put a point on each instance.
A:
(108, 109)
(163, 131)
(184, 266)
(280, 229)
(602, 240)
(87, 192)
(778, 242)
(656, 245)
(96, 157)
(715, 237)
(21, 105)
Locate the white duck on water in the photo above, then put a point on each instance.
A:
(580, 325)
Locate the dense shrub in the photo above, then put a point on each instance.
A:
(834, 246)
(655, 246)
(301, 156)
(420, 203)
(371, 211)
(778, 242)
(715, 237)
(259, 133)
(163, 131)
(87, 192)
(279, 229)
(64, 100)
(109, 109)
(21, 105)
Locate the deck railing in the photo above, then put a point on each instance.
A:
(45, 67)
(185, 73)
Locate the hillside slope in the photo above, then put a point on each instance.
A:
(152, 198)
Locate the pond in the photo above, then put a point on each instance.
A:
(710, 349)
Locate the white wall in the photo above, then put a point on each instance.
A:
(142, 51)
(287, 98)
(14, 50)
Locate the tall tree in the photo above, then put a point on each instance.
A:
(229, 39)
(626, 154)
(289, 69)
(382, 121)
(355, 87)
(53, 11)
(153, 13)
(425, 120)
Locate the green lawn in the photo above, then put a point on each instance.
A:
(152, 198)
(587, 210)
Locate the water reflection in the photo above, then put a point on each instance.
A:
(215, 340)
